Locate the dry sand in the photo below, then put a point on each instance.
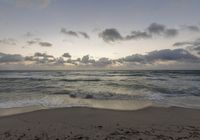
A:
(98, 124)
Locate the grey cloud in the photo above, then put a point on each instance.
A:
(84, 34)
(71, 33)
(151, 58)
(45, 44)
(67, 55)
(41, 58)
(8, 41)
(177, 44)
(110, 35)
(163, 55)
(32, 42)
(74, 33)
(191, 45)
(59, 61)
(39, 42)
(38, 54)
(192, 28)
(102, 62)
(156, 28)
(86, 59)
(134, 58)
(160, 29)
(171, 32)
(138, 35)
(167, 54)
(6, 58)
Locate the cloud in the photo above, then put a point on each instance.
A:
(74, 33)
(171, 32)
(84, 34)
(8, 41)
(190, 45)
(158, 58)
(7, 58)
(38, 41)
(66, 55)
(138, 35)
(110, 35)
(103, 62)
(159, 29)
(32, 42)
(192, 28)
(71, 33)
(86, 59)
(45, 44)
(41, 58)
(38, 54)
(181, 55)
(177, 44)
(154, 29)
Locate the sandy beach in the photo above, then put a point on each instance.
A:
(152, 123)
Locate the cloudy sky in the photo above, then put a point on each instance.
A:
(99, 34)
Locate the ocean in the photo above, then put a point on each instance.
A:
(111, 89)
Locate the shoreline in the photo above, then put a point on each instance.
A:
(7, 112)
(91, 123)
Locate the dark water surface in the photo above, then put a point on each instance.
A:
(107, 89)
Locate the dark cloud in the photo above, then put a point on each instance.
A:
(110, 35)
(150, 59)
(138, 35)
(134, 58)
(181, 55)
(8, 41)
(171, 32)
(156, 28)
(45, 44)
(192, 28)
(32, 42)
(71, 33)
(67, 55)
(177, 44)
(39, 42)
(86, 59)
(74, 33)
(160, 29)
(84, 34)
(59, 61)
(193, 46)
(190, 45)
(41, 58)
(7, 58)
(102, 62)
(38, 54)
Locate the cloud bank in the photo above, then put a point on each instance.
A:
(157, 57)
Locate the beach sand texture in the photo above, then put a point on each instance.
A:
(152, 123)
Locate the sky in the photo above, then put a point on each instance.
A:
(99, 34)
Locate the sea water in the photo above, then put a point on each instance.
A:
(111, 89)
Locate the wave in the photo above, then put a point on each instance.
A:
(81, 79)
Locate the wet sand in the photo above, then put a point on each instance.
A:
(152, 123)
